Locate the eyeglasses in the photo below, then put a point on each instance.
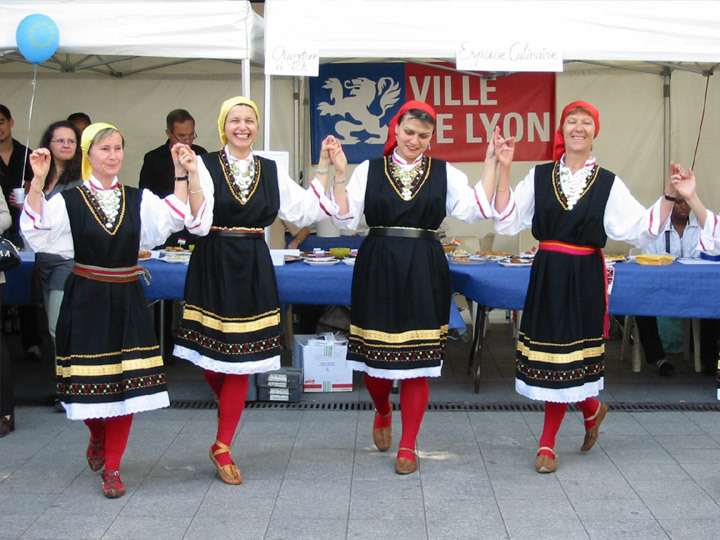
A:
(190, 137)
(63, 142)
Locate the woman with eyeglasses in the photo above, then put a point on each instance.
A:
(62, 139)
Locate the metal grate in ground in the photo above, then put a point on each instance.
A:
(459, 407)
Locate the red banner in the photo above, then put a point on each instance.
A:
(469, 107)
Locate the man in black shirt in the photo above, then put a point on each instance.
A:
(12, 156)
(158, 175)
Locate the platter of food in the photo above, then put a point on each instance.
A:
(176, 257)
(468, 259)
(515, 262)
(655, 260)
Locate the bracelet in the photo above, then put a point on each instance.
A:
(669, 198)
(339, 181)
(501, 190)
(198, 191)
(36, 190)
(295, 238)
(321, 171)
(185, 178)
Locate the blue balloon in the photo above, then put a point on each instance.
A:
(37, 37)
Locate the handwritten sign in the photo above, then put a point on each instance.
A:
(288, 60)
(515, 56)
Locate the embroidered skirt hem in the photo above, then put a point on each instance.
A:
(85, 411)
(576, 394)
(396, 373)
(233, 368)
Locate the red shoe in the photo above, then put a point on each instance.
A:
(112, 485)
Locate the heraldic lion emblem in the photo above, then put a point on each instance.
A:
(363, 94)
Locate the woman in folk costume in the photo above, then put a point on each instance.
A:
(573, 206)
(401, 282)
(108, 360)
(231, 321)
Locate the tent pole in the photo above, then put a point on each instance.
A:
(666, 127)
(296, 130)
(266, 121)
(245, 65)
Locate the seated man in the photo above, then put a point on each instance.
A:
(679, 239)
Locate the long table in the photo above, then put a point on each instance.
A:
(298, 283)
(676, 290)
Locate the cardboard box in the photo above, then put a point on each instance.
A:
(323, 361)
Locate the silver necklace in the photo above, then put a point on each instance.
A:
(109, 201)
(243, 179)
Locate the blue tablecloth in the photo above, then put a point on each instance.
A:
(676, 290)
(298, 283)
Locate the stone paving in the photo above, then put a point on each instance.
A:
(313, 473)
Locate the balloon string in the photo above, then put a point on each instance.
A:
(27, 141)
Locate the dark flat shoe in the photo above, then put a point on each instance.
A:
(7, 424)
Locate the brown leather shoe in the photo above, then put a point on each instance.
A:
(112, 485)
(591, 434)
(230, 474)
(382, 437)
(96, 454)
(544, 463)
(405, 465)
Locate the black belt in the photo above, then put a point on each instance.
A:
(236, 234)
(404, 233)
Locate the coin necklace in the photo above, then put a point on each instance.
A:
(109, 202)
(243, 179)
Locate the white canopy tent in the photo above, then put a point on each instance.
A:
(103, 33)
(131, 62)
(632, 59)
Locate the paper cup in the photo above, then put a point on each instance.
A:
(19, 195)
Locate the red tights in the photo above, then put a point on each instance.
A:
(413, 402)
(115, 432)
(231, 391)
(554, 414)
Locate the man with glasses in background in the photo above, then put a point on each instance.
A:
(158, 172)
(158, 175)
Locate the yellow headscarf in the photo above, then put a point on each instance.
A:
(86, 141)
(225, 109)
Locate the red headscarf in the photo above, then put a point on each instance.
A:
(391, 142)
(559, 143)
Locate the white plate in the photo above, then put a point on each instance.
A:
(321, 262)
(350, 261)
(514, 265)
(182, 259)
(317, 258)
(472, 259)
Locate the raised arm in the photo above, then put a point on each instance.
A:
(505, 151)
(40, 163)
(339, 161)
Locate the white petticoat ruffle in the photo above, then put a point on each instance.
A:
(395, 373)
(575, 394)
(232, 368)
(85, 411)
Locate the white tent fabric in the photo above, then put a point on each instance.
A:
(192, 29)
(646, 31)
(669, 47)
